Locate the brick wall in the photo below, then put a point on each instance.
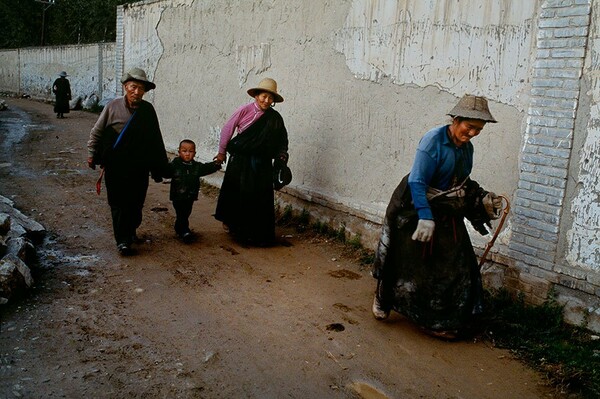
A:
(540, 200)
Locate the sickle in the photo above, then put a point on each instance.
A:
(99, 182)
(500, 224)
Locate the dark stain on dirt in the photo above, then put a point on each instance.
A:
(336, 327)
(343, 273)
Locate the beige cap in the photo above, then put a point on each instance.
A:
(138, 75)
(472, 107)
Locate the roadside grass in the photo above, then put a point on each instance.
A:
(568, 356)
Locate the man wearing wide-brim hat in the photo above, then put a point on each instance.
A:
(127, 143)
(425, 265)
(138, 75)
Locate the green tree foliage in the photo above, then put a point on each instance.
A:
(64, 22)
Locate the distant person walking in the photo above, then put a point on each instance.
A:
(127, 142)
(62, 90)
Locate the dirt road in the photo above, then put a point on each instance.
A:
(207, 320)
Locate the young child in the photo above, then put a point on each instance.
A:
(185, 185)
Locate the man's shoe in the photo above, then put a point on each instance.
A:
(124, 249)
(378, 312)
(187, 237)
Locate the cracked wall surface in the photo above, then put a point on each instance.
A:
(584, 235)
(459, 46)
(351, 139)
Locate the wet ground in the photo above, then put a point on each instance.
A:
(210, 319)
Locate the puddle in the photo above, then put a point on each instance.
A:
(13, 127)
(51, 257)
(367, 391)
(62, 172)
(33, 126)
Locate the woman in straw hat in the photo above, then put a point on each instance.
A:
(246, 199)
(425, 265)
(62, 90)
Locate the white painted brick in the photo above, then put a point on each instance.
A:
(571, 32)
(573, 11)
(568, 53)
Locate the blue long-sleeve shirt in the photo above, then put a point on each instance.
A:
(440, 164)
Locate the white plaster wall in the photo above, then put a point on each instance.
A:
(584, 236)
(480, 47)
(40, 66)
(9, 71)
(351, 139)
(107, 70)
(141, 43)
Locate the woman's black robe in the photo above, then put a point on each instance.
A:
(436, 284)
(62, 90)
(246, 201)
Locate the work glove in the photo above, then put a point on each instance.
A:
(424, 230)
(91, 164)
(493, 205)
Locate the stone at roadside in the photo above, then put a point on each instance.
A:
(4, 223)
(15, 277)
(3, 105)
(75, 103)
(22, 248)
(90, 103)
(21, 224)
(3, 246)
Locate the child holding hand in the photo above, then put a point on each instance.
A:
(185, 185)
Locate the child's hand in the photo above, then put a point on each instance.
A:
(220, 158)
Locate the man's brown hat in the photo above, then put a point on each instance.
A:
(138, 75)
(472, 107)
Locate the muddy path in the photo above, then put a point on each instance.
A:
(210, 319)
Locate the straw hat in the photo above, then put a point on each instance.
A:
(270, 86)
(472, 107)
(63, 74)
(138, 75)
